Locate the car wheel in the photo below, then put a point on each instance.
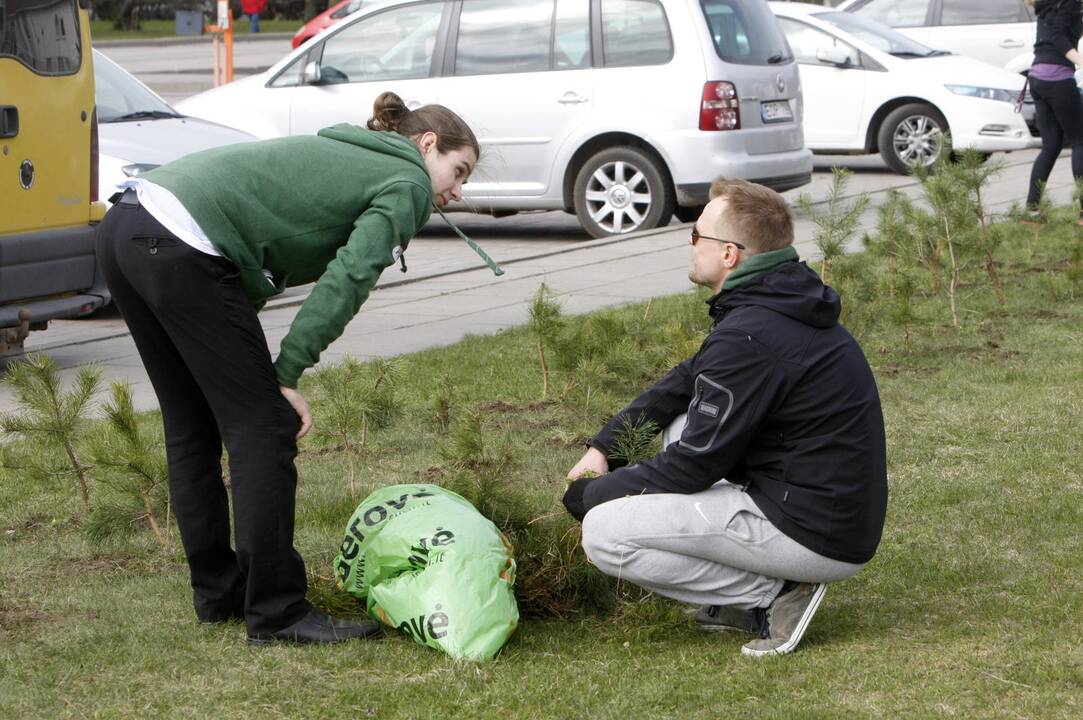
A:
(912, 133)
(620, 190)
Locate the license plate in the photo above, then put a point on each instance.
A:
(776, 111)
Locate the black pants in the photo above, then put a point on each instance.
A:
(1059, 112)
(207, 357)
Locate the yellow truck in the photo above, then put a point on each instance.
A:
(48, 168)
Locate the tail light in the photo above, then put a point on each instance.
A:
(720, 107)
(94, 155)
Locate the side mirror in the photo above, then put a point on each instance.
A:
(311, 74)
(834, 55)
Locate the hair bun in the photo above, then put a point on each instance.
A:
(387, 112)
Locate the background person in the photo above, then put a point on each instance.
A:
(780, 402)
(188, 252)
(1057, 104)
(252, 8)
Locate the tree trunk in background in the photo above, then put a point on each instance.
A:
(311, 10)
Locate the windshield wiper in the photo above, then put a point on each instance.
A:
(146, 115)
(907, 53)
(937, 53)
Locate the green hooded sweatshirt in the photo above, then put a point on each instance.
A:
(335, 208)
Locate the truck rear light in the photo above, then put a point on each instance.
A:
(94, 155)
(720, 107)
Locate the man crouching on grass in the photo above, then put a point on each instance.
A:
(778, 482)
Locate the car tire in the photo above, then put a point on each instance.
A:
(620, 190)
(688, 214)
(912, 132)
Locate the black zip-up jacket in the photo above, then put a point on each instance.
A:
(1060, 25)
(780, 399)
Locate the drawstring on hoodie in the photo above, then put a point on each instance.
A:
(473, 245)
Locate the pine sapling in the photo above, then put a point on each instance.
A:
(634, 440)
(545, 324)
(956, 223)
(975, 172)
(443, 404)
(51, 419)
(836, 226)
(133, 463)
(355, 399)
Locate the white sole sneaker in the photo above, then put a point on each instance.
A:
(799, 631)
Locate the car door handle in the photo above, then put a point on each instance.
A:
(1010, 43)
(9, 121)
(571, 98)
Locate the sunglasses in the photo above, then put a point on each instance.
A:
(696, 237)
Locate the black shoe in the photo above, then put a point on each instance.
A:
(318, 627)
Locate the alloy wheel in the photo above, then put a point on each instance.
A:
(618, 197)
(918, 139)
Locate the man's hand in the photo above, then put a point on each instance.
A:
(593, 461)
(300, 406)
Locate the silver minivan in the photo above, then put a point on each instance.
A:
(621, 111)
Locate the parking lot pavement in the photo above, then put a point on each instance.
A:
(448, 293)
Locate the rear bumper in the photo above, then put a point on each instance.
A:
(775, 157)
(696, 193)
(51, 274)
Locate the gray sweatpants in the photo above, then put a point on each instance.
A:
(709, 548)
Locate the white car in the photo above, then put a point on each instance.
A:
(869, 88)
(622, 111)
(999, 32)
(138, 131)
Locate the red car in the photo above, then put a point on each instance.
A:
(324, 20)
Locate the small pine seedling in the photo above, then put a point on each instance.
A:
(51, 419)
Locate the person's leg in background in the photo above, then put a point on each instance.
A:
(1067, 106)
(1052, 141)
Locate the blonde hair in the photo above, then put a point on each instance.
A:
(758, 216)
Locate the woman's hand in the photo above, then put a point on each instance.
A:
(300, 406)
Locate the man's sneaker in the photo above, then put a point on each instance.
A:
(1031, 217)
(787, 619)
(722, 618)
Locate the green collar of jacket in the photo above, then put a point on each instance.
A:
(755, 266)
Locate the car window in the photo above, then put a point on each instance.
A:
(119, 96)
(744, 31)
(571, 34)
(895, 13)
(42, 34)
(880, 37)
(982, 12)
(347, 9)
(291, 74)
(502, 36)
(635, 32)
(396, 44)
(806, 41)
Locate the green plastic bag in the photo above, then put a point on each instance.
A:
(425, 561)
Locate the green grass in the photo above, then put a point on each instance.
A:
(149, 29)
(973, 607)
